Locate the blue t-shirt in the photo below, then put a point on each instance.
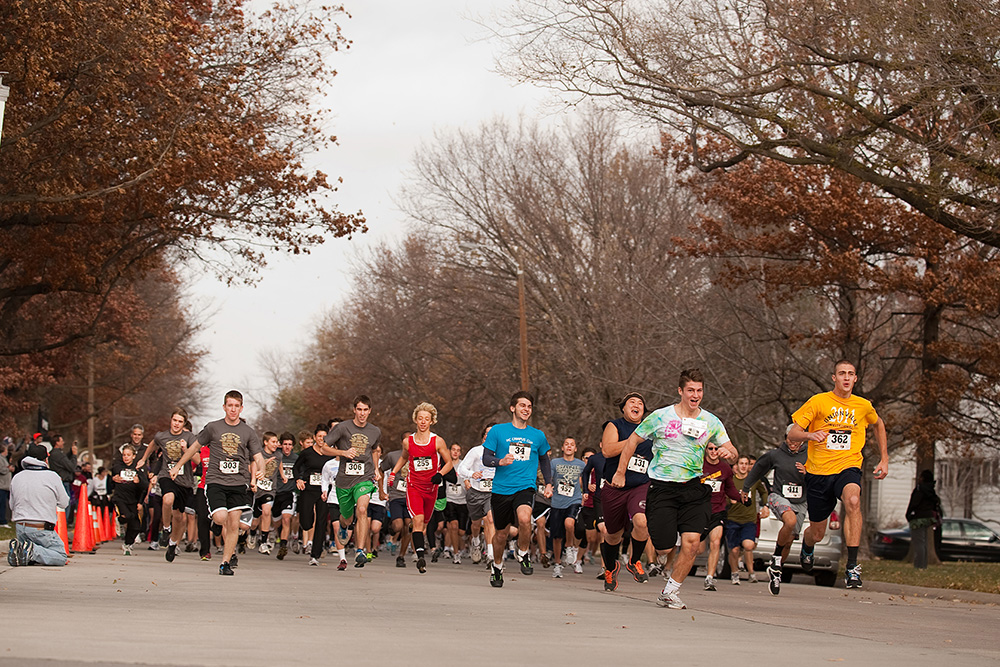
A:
(566, 489)
(527, 444)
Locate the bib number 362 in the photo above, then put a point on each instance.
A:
(838, 441)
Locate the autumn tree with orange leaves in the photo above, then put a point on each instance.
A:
(152, 135)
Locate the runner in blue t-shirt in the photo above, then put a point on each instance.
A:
(518, 452)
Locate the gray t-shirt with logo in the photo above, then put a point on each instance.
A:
(230, 449)
(363, 440)
(173, 448)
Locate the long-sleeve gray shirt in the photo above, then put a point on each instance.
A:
(788, 481)
(36, 492)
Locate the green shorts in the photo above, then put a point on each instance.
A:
(440, 503)
(349, 497)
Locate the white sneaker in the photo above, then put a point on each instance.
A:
(736, 579)
(709, 584)
(477, 553)
(670, 601)
(313, 561)
(753, 578)
(578, 567)
(557, 571)
(457, 560)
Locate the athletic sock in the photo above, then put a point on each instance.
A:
(418, 543)
(778, 550)
(637, 549)
(807, 548)
(852, 557)
(609, 552)
(489, 551)
(671, 586)
(172, 543)
(342, 553)
(521, 553)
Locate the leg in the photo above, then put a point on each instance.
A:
(852, 515)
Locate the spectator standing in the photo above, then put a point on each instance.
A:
(60, 464)
(5, 469)
(924, 514)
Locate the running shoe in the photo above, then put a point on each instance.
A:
(457, 560)
(752, 579)
(436, 554)
(557, 571)
(477, 554)
(635, 569)
(670, 601)
(226, 570)
(343, 565)
(736, 578)
(171, 553)
(655, 570)
(190, 547)
(155, 545)
(578, 567)
(852, 578)
(27, 551)
(252, 540)
(421, 565)
(709, 584)
(241, 548)
(307, 549)
(545, 559)
(526, 565)
(234, 562)
(264, 548)
(12, 549)
(774, 578)
(164, 538)
(296, 547)
(360, 559)
(282, 551)
(207, 556)
(314, 562)
(611, 578)
(496, 576)
(806, 560)
(400, 561)
(370, 555)
(126, 550)
(571, 554)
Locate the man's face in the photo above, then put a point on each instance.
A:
(287, 446)
(136, 436)
(176, 424)
(691, 394)
(456, 452)
(361, 412)
(712, 453)
(844, 377)
(587, 456)
(60, 441)
(569, 448)
(233, 408)
(522, 409)
(271, 444)
(634, 409)
(743, 465)
(424, 421)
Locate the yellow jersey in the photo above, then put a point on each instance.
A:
(845, 422)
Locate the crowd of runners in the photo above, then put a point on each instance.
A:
(658, 489)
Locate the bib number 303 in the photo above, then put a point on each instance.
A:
(229, 467)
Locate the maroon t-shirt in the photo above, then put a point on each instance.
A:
(720, 476)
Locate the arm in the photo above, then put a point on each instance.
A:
(545, 467)
(145, 455)
(882, 469)
(730, 488)
(326, 450)
(442, 450)
(800, 434)
(610, 444)
(729, 452)
(404, 456)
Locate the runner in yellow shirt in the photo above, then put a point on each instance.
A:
(834, 424)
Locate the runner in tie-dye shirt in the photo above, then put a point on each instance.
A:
(677, 501)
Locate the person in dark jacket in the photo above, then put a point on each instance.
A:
(924, 514)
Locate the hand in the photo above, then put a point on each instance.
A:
(882, 469)
(300, 485)
(764, 513)
(507, 460)
(744, 496)
(348, 454)
(586, 496)
(618, 481)
(174, 472)
(801, 467)
(592, 487)
(477, 475)
(436, 478)
(323, 496)
(392, 479)
(548, 491)
(816, 436)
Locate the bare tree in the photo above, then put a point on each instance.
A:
(899, 95)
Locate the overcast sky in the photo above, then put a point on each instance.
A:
(414, 67)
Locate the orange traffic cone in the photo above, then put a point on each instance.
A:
(83, 537)
(61, 528)
(109, 528)
(98, 538)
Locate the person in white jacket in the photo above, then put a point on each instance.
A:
(478, 481)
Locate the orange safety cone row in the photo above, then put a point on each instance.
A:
(61, 528)
(83, 537)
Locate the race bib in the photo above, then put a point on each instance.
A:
(520, 452)
(265, 485)
(315, 479)
(229, 467)
(791, 491)
(714, 484)
(288, 471)
(401, 484)
(839, 441)
(486, 484)
(565, 489)
(127, 474)
(601, 486)
(541, 489)
(355, 468)
(423, 464)
(693, 428)
(638, 464)
(454, 490)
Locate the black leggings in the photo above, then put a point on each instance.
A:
(128, 515)
(314, 511)
(204, 523)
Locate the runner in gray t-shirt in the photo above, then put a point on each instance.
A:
(231, 446)
(355, 442)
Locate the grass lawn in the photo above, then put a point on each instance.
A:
(981, 577)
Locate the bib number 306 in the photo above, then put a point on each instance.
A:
(355, 468)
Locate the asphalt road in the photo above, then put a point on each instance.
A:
(109, 609)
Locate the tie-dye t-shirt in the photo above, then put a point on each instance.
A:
(678, 457)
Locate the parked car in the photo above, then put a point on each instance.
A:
(827, 552)
(961, 539)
